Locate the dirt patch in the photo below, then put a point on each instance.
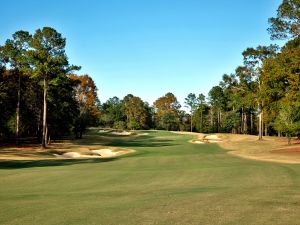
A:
(295, 150)
(249, 147)
(270, 149)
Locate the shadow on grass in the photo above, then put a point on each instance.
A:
(20, 164)
(130, 141)
(125, 141)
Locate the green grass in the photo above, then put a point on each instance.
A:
(166, 181)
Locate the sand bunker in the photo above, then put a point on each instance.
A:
(202, 138)
(107, 152)
(101, 153)
(197, 142)
(103, 131)
(74, 155)
(123, 133)
(104, 153)
(212, 137)
(214, 141)
(207, 139)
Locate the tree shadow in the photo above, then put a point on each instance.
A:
(142, 141)
(126, 141)
(21, 164)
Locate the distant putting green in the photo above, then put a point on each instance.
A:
(167, 180)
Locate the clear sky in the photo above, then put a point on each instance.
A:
(148, 47)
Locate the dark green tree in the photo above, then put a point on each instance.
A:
(253, 60)
(287, 22)
(49, 62)
(191, 102)
(217, 101)
(15, 53)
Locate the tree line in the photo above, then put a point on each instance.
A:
(262, 96)
(41, 96)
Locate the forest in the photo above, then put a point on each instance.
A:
(42, 97)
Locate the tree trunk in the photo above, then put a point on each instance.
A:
(191, 122)
(289, 139)
(44, 137)
(242, 121)
(201, 127)
(262, 121)
(245, 124)
(38, 114)
(251, 123)
(218, 121)
(47, 140)
(18, 111)
(211, 118)
(260, 127)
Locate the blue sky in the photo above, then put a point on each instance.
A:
(148, 47)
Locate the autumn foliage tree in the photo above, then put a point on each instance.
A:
(135, 111)
(86, 96)
(167, 111)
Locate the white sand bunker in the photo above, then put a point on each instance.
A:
(74, 155)
(104, 153)
(143, 134)
(123, 133)
(101, 153)
(107, 153)
(214, 141)
(198, 142)
(103, 131)
(212, 137)
(207, 139)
